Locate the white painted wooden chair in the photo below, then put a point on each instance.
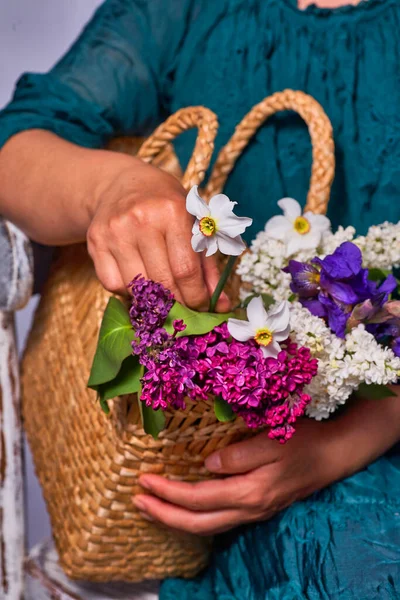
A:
(37, 576)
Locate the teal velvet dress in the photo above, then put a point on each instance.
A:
(140, 60)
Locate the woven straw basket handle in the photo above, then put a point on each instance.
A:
(320, 128)
(186, 118)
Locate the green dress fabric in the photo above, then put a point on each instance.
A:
(140, 60)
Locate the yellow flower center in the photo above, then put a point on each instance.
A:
(208, 226)
(315, 278)
(302, 225)
(263, 337)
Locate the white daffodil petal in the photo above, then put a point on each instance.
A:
(232, 225)
(199, 242)
(319, 222)
(211, 244)
(280, 336)
(256, 313)
(278, 309)
(294, 243)
(195, 205)
(230, 246)
(309, 241)
(196, 227)
(221, 205)
(221, 209)
(272, 350)
(291, 208)
(278, 227)
(240, 330)
(279, 318)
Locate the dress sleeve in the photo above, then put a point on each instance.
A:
(110, 82)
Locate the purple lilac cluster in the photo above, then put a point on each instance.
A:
(169, 368)
(151, 303)
(339, 290)
(263, 391)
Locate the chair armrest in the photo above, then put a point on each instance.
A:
(16, 267)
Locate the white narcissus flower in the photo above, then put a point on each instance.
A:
(216, 226)
(266, 328)
(299, 232)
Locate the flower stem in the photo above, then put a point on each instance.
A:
(222, 281)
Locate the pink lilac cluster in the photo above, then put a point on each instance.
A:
(263, 391)
(171, 374)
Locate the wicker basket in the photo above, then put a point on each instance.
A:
(88, 464)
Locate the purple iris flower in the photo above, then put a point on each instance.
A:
(336, 315)
(387, 333)
(344, 263)
(305, 279)
(330, 287)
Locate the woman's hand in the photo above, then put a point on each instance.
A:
(264, 477)
(140, 225)
(132, 214)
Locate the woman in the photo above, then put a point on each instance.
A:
(136, 62)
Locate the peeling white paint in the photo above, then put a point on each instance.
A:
(21, 284)
(11, 487)
(46, 581)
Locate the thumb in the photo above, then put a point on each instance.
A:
(211, 276)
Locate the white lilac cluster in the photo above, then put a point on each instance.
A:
(260, 269)
(343, 364)
(381, 246)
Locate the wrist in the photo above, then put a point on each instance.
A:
(363, 432)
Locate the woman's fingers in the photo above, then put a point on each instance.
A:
(186, 266)
(204, 496)
(107, 271)
(154, 253)
(211, 276)
(244, 456)
(199, 523)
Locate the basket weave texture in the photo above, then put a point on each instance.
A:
(88, 464)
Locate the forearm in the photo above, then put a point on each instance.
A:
(48, 186)
(365, 431)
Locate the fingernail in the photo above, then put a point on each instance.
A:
(145, 483)
(146, 516)
(138, 502)
(213, 462)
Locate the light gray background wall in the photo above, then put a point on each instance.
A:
(33, 34)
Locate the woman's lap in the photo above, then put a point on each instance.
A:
(342, 543)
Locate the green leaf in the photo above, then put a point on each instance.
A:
(153, 421)
(197, 323)
(114, 345)
(126, 382)
(377, 274)
(266, 298)
(222, 410)
(104, 404)
(374, 391)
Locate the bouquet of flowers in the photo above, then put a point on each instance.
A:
(342, 290)
(317, 321)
